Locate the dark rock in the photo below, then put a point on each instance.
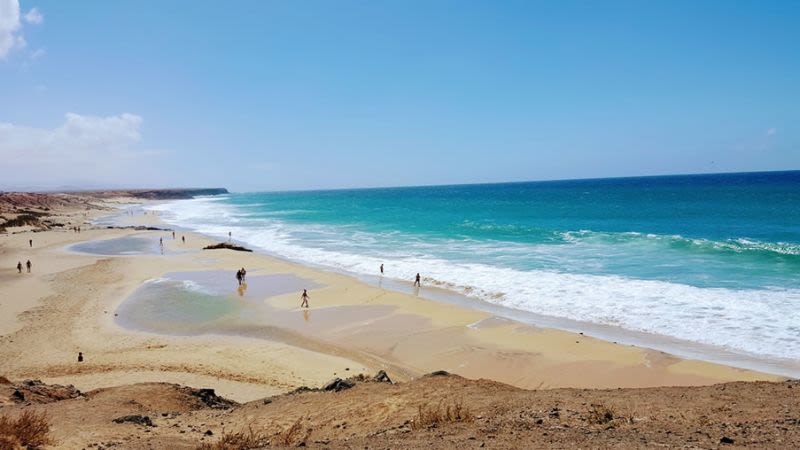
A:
(18, 395)
(135, 419)
(439, 373)
(381, 377)
(137, 228)
(211, 399)
(209, 433)
(338, 384)
(224, 245)
(726, 440)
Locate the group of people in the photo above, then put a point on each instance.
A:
(240, 276)
(305, 297)
(76, 229)
(27, 264)
(416, 279)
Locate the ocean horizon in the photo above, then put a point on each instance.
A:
(711, 259)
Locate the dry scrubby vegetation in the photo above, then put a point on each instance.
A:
(29, 430)
(243, 440)
(294, 434)
(601, 414)
(430, 417)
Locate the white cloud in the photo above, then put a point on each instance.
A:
(34, 17)
(83, 148)
(9, 25)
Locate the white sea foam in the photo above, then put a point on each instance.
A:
(761, 322)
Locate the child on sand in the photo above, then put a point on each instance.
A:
(305, 298)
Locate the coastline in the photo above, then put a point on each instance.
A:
(403, 334)
(663, 344)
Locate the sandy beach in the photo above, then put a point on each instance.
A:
(69, 301)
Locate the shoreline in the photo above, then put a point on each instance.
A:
(415, 337)
(676, 347)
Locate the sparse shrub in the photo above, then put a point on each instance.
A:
(289, 436)
(243, 440)
(29, 430)
(21, 221)
(601, 414)
(428, 417)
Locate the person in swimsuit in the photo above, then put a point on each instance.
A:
(416, 281)
(304, 297)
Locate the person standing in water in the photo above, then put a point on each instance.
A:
(239, 277)
(304, 297)
(244, 275)
(381, 269)
(416, 281)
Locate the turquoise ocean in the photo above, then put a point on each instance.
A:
(712, 260)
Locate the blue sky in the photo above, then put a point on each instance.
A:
(265, 95)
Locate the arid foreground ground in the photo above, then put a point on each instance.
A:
(434, 411)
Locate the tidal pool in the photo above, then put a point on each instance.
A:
(121, 246)
(190, 303)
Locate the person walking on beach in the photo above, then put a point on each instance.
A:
(416, 281)
(19, 266)
(304, 297)
(381, 269)
(239, 277)
(244, 275)
(28, 265)
(173, 235)
(30, 242)
(183, 239)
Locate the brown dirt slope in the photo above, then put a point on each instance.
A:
(432, 412)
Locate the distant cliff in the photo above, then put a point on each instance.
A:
(175, 194)
(155, 194)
